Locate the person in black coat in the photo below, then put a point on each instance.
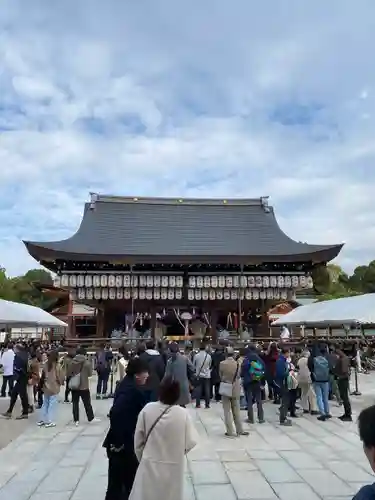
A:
(156, 369)
(128, 402)
(217, 357)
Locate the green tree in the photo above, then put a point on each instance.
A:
(21, 289)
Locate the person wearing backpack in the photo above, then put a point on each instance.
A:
(252, 374)
(103, 363)
(320, 374)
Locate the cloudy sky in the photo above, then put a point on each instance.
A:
(188, 98)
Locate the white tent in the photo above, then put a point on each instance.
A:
(15, 314)
(348, 311)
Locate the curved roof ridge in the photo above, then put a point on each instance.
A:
(154, 200)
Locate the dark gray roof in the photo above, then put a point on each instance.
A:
(183, 229)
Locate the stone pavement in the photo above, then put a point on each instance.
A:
(310, 460)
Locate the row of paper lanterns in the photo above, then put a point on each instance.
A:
(177, 293)
(148, 281)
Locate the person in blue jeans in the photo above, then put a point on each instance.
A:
(319, 367)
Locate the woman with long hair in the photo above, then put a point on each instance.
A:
(53, 379)
(163, 436)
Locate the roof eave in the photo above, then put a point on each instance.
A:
(41, 252)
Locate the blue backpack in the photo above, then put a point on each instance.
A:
(321, 369)
(256, 371)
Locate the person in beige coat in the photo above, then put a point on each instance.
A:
(163, 436)
(308, 397)
(53, 376)
(230, 371)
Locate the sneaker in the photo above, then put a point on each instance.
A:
(243, 433)
(94, 420)
(40, 424)
(22, 417)
(346, 418)
(248, 421)
(261, 421)
(322, 418)
(230, 435)
(50, 424)
(76, 424)
(6, 415)
(328, 416)
(286, 423)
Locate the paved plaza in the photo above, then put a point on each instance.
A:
(308, 461)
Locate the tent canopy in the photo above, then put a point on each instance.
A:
(15, 314)
(347, 311)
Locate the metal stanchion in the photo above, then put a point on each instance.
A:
(356, 391)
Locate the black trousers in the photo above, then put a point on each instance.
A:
(343, 385)
(67, 390)
(102, 385)
(203, 390)
(8, 380)
(86, 400)
(20, 389)
(215, 391)
(293, 396)
(284, 399)
(122, 467)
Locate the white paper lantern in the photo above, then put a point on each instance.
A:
(229, 281)
(280, 281)
(190, 294)
(262, 294)
(81, 293)
(276, 293)
(89, 293)
(164, 293)
(64, 280)
(103, 280)
(206, 281)
(97, 293)
(212, 294)
(73, 280)
(170, 293)
(112, 293)
(251, 281)
(128, 293)
(149, 294)
(178, 293)
(248, 294)
(234, 294)
(57, 282)
(142, 293)
(172, 281)
(256, 294)
(96, 281)
(157, 293)
(119, 293)
(198, 294)
(80, 281)
(192, 282)
(266, 281)
(88, 280)
(309, 282)
(119, 281)
(226, 294)
(295, 281)
(219, 294)
(258, 281)
(200, 281)
(283, 294)
(269, 293)
(302, 281)
(157, 281)
(291, 295)
(179, 281)
(236, 281)
(104, 293)
(150, 281)
(142, 281)
(134, 294)
(221, 281)
(243, 281)
(288, 281)
(127, 280)
(111, 281)
(204, 294)
(273, 281)
(134, 280)
(214, 281)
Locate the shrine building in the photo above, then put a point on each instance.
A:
(207, 258)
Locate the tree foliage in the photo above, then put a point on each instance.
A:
(21, 289)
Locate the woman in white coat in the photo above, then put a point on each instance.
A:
(163, 436)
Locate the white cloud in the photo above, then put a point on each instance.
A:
(195, 99)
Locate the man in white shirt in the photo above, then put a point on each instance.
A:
(202, 364)
(7, 362)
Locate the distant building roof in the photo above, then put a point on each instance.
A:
(180, 231)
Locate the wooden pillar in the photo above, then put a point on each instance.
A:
(213, 328)
(99, 322)
(153, 322)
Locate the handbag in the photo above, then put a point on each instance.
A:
(75, 382)
(154, 424)
(226, 388)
